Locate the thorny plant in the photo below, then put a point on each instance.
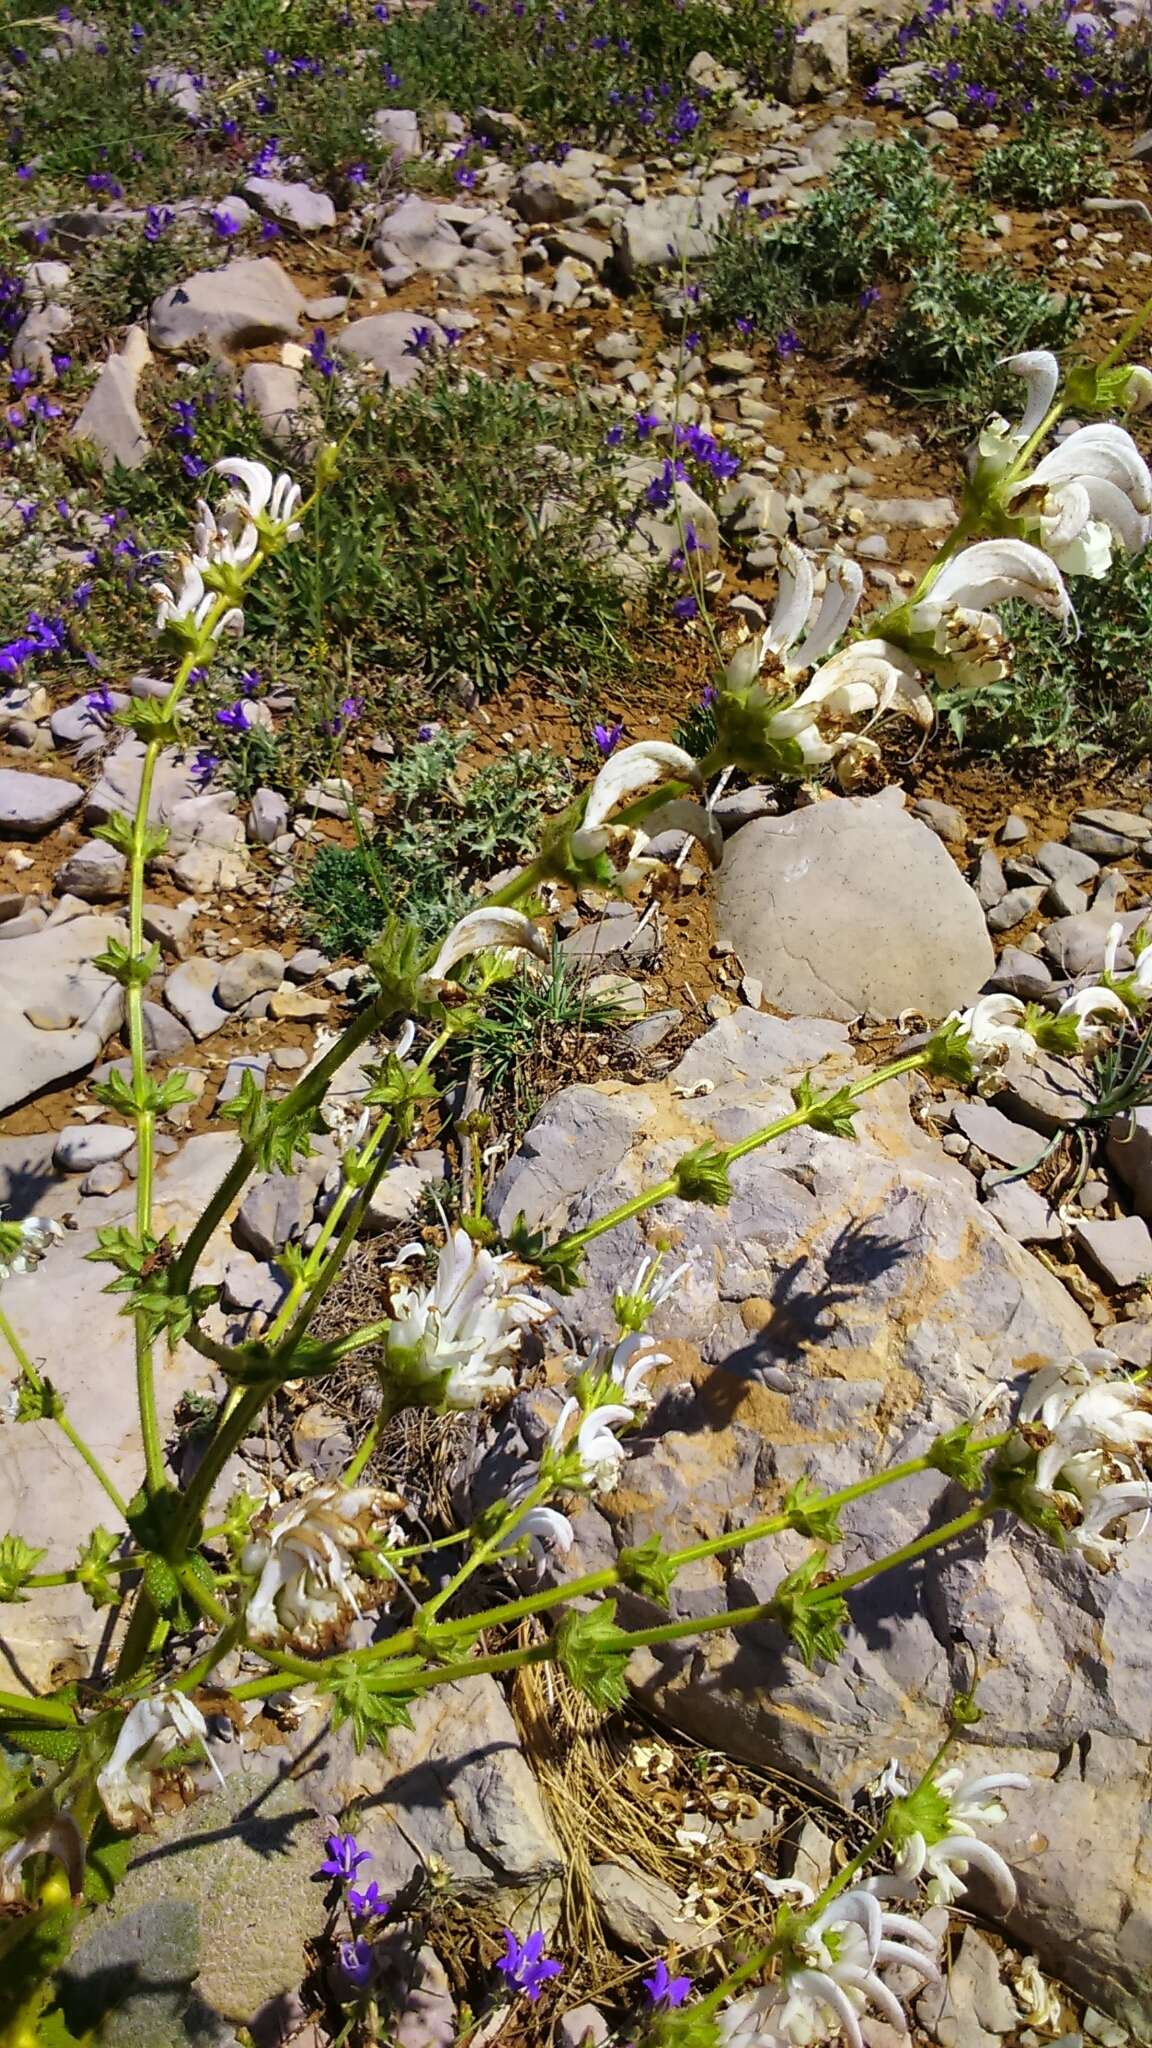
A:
(222, 1603)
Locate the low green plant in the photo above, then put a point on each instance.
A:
(526, 1035)
(439, 837)
(1079, 695)
(954, 326)
(1045, 166)
(1013, 58)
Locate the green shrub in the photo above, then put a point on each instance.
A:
(1014, 58)
(955, 325)
(1046, 166)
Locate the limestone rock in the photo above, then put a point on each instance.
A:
(111, 418)
(49, 974)
(96, 872)
(247, 304)
(848, 906)
(551, 192)
(851, 1301)
(290, 201)
(248, 974)
(820, 58)
(384, 341)
(31, 805)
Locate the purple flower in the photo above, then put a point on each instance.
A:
(741, 198)
(452, 336)
(224, 224)
(269, 232)
(420, 342)
(250, 681)
(101, 701)
(204, 766)
(868, 297)
(369, 1903)
(356, 1964)
(157, 222)
(606, 738)
(745, 326)
(344, 1852)
(356, 174)
(465, 177)
(692, 342)
(193, 466)
(614, 436)
(60, 363)
(525, 1967)
(426, 732)
(350, 710)
(659, 491)
(318, 354)
(708, 697)
(787, 344)
(686, 608)
(21, 380)
(663, 1989)
(235, 718)
(646, 423)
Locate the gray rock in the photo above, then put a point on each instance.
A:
(1121, 1250)
(1109, 834)
(1131, 1341)
(401, 1189)
(247, 304)
(78, 725)
(254, 1063)
(911, 515)
(1013, 908)
(1013, 831)
(839, 1272)
(170, 83)
(48, 974)
(31, 805)
(1021, 1211)
(111, 419)
(104, 1180)
(135, 1975)
(1065, 899)
(739, 807)
(399, 129)
(986, 1127)
(251, 1284)
(82, 1146)
(452, 1791)
(287, 412)
(551, 192)
(168, 925)
(641, 1912)
(418, 235)
(1075, 945)
(819, 59)
(295, 203)
(1046, 1093)
(658, 234)
(384, 340)
(619, 347)
(848, 906)
(190, 992)
(612, 942)
(267, 816)
(650, 1032)
(1064, 863)
(96, 872)
(974, 2007)
(248, 974)
(305, 964)
(1130, 1154)
(119, 785)
(988, 881)
(277, 1211)
(58, 1633)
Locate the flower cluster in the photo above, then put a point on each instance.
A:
(831, 1977)
(149, 1734)
(304, 1560)
(257, 516)
(356, 1959)
(452, 1343)
(40, 637)
(1086, 1431)
(933, 1830)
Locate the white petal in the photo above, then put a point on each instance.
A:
(818, 1985)
(993, 571)
(793, 599)
(1101, 450)
(842, 593)
(632, 769)
(481, 930)
(1041, 373)
(254, 477)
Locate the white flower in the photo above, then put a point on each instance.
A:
(26, 1242)
(995, 1028)
(1040, 2005)
(832, 1978)
(1092, 491)
(989, 573)
(1134, 988)
(1101, 1512)
(229, 541)
(1087, 1410)
(456, 1338)
(600, 1457)
(150, 1732)
(950, 1848)
(190, 605)
(261, 497)
(632, 1360)
(1041, 373)
(482, 931)
(542, 1529)
(795, 590)
(305, 1558)
(1098, 1012)
(1138, 389)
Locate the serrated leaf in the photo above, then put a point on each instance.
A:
(813, 1616)
(834, 1114)
(101, 1585)
(559, 1265)
(593, 1653)
(18, 1560)
(810, 1515)
(702, 1176)
(952, 1454)
(647, 1568)
(946, 1052)
(357, 1697)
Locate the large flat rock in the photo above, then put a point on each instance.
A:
(852, 905)
(56, 1009)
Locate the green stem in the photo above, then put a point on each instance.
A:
(61, 1419)
(18, 1706)
(727, 1155)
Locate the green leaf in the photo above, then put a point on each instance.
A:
(152, 720)
(683, 2027)
(811, 1515)
(834, 1113)
(103, 1586)
(117, 1093)
(647, 1568)
(117, 832)
(1052, 1034)
(813, 1616)
(396, 959)
(702, 1176)
(947, 1054)
(559, 1265)
(37, 1400)
(171, 1092)
(274, 1135)
(131, 970)
(593, 1653)
(18, 1560)
(357, 1697)
(952, 1454)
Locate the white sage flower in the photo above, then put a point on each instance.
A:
(24, 1244)
(1040, 2005)
(455, 1340)
(150, 1732)
(600, 1457)
(190, 604)
(541, 1529)
(946, 1846)
(1089, 494)
(994, 1028)
(1098, 1013)
(1101, 1533)
(1134, 988)
(989, 573)
(228, 541)
(483, 931)
(305, 1557)
(262, 497)
(831, 1978)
